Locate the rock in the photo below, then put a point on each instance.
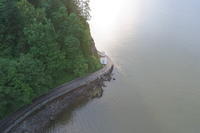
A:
(103, 77)
(53, 118)
(93, 48)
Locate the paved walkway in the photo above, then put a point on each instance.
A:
(17, 116)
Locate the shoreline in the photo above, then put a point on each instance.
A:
(16, 117)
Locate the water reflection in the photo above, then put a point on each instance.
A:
(155, 45)
(76, 100)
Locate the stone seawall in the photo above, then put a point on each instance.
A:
(48, 113)
(16, 118)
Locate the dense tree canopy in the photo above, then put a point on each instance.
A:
(41, 42)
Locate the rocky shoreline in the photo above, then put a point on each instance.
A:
(49, 112)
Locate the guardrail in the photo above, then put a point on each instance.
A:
(20, 114)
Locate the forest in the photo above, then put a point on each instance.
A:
(43, 44)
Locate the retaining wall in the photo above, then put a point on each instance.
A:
(19, 115)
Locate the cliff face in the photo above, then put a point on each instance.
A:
(93, 48)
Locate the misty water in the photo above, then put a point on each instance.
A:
(155, 47)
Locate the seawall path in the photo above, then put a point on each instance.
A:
(19, 115)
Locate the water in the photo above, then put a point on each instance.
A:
(155, 46)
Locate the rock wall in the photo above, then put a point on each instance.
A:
(93, 48)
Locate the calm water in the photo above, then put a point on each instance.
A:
(155, 46)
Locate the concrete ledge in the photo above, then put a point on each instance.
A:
(19, 115)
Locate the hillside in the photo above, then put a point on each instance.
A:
(43, 43)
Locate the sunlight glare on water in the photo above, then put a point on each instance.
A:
(155, 47)
(107, 15)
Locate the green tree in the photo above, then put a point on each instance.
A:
(9, 27)
(4, 65)
(32, 71)
(21, 80)
(86, 10)
(59, 18)
(93, 64)
(80, 67)
(41, 43)
(14, 91)
(3, 48)
(50, 6)
(42, 39)
(28, 13)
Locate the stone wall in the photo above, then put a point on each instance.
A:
(49, 112)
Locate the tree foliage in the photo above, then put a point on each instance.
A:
(28, 12)
(41, 41)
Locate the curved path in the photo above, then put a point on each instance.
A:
(17, 116)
